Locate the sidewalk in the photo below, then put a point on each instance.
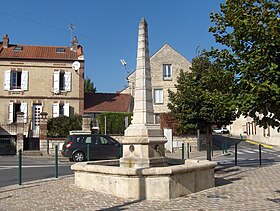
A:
(237, 188)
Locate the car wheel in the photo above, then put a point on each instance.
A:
(78, 156)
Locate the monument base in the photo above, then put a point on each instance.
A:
(163, 183)
(132, 162)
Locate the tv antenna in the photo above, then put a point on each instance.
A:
(72, 28)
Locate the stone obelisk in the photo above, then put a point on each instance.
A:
(143, 144)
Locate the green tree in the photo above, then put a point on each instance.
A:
(250, 32)
(89, 86)
(60, 126)
(203, 97)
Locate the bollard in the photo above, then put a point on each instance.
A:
(188, 153)
(88, 152)
(212, 150)
(223, 147)
(235, 155)
(183, 151)
(19, 167)
(226, 146)
(260, 153)
(121, 150)
(56, 162)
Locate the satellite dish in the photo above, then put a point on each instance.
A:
(76, 65)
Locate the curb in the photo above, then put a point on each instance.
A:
(259, 143)
(31, 183)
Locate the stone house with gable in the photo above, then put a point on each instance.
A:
(39, 79)
(165, 64)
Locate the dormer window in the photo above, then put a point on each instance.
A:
(17, 48)
(60, 50)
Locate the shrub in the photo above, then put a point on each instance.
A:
(60, 126)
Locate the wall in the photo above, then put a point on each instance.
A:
(40, 87)
(165, 55)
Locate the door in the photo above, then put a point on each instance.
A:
(109, 149)
(37, 109)
(95, 148)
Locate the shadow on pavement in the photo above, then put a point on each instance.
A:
(120, 207)
(223, 141)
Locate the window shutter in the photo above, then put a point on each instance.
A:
(67, 81)
(24, 80)
(11, 112)
(23, 108)
(56, 110)
(56, 81)
(66, 109)
(7, 80)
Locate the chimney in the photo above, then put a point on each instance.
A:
(74, 44)
(5, 43)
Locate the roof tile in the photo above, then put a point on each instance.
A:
(39, 52)
(107, 102)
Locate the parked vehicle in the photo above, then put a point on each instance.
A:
(219, 130)
(225, 130)
(100, 147)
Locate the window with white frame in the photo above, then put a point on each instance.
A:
(167, 72)
(60, 109)
(157, 118)
(14, 108)
(158, 96)
(16, 80)
(61, 81)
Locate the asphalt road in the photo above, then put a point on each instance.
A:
(32, 169)
(247, 153)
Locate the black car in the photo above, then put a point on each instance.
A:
(100, 147)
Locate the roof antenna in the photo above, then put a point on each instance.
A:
(72, 28)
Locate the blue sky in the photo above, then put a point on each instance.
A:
(107, 30)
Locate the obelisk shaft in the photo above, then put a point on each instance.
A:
(143, 105)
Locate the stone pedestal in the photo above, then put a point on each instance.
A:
(86, 125)
(43, 133)
(20, 124)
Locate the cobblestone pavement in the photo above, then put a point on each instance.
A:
(237, 188)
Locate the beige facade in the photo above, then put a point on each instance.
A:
(165, 64)
(247, 128)
(40, 78)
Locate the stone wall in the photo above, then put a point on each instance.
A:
(52, 142)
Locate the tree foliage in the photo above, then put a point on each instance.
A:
(60, 126)
(250, 32)
(203, 96)
(89, 86)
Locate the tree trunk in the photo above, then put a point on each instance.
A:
(209, 143)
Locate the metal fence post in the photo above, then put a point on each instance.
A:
(260, 153)
(226, 146)
(235, 155)
(56, 162)
(19, 167)
(88, 152)
(183, 151)
(188, 154)
(223, 147)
